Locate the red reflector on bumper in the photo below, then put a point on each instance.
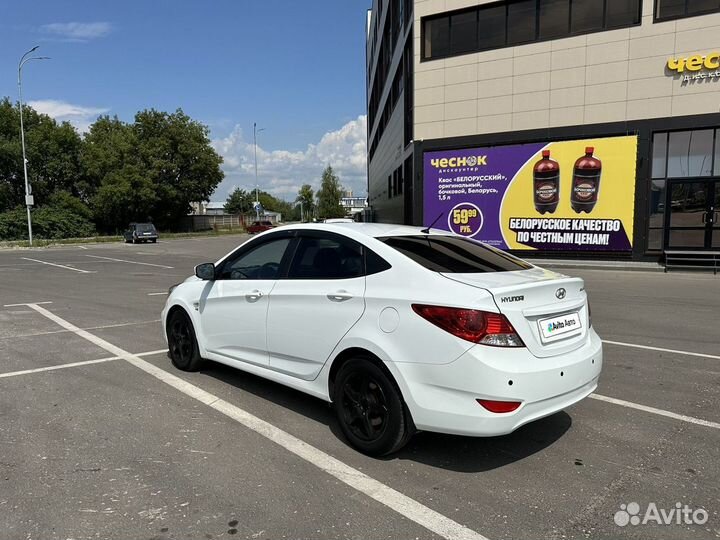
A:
(499, 406)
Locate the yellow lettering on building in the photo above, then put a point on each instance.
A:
(482, 160)
(694, 63)
(461, 161)
(676, 64)
(712, 61)
(435, 162)
(443, 163)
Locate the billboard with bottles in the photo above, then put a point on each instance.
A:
(566, 195)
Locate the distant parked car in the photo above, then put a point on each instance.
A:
(141, 232)
(259, 226)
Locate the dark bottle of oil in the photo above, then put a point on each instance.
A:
(586, 182)
(546, 184)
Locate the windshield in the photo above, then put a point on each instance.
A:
(454, 254)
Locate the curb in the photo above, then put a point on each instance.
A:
(624, 266)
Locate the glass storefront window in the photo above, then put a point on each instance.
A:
(659, 155)
(657, 203)
(655, 238)
(690, 153)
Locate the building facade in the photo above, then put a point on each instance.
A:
(583, 126)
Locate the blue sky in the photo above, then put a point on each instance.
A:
(295, 68)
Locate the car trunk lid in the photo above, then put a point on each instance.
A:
(548, 310)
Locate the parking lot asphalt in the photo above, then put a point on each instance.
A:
(100, 437)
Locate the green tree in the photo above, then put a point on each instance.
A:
(53, 153)
(329, 195)
(109, 145)
(273, 204)
(152, 168)
(240, 201)
(179, 161)
(307, 198)
(125, 195)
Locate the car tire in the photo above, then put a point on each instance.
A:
(154, 240)
(370, 408)
(182, 342)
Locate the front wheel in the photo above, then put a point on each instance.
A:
(182, 343)
(370, 408)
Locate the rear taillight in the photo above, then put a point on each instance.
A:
(499, 406)
(473, 325)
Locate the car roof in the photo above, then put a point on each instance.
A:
(372, 230)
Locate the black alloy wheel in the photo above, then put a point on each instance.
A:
(182, 343)
(370, 409)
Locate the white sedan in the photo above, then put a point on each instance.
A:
(401, 328)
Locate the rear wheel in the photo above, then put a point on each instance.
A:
(182, 343)
(370, 408)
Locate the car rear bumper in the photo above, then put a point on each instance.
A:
(442, 398)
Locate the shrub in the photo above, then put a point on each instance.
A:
(62, 220)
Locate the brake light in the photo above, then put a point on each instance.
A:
(473, 325)
(499, 406)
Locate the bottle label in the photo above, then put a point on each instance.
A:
(546, 192)
(546, 188)
(585, 187)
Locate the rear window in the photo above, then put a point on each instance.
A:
(454, 254)
(145, 227)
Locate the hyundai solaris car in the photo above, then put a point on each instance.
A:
(400, 328)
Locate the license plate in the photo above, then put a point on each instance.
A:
(559, 327)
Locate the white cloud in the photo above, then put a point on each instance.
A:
(77, 31)
(282, 172)
(78, 116)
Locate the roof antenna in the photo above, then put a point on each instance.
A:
(426, 230)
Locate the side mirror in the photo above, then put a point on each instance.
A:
(205, 271)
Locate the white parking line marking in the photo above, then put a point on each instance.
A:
(660, 349)
(157, 294)
(27, 304)
(36, 334)
(129, 262)
(653, 410)
(73, 364)
(60, 266)
(402, 504)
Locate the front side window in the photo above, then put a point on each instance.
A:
(326, 258)
(454, 254)
(262, 262)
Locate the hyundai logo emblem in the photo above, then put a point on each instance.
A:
(560, 293)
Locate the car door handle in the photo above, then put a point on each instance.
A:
(254, 296)
(339, 296)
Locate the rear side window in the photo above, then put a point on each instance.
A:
(326, 258)
(454, 254)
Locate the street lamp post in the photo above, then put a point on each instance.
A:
(28, 196)
(257, 201)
